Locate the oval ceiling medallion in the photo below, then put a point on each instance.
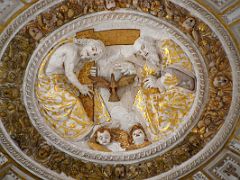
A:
(116, 90)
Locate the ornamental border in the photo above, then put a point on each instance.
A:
(205, 154)
(227, 128)
(127, 157)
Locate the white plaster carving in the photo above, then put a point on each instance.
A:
(236, 31)
(232, 15)
(224, 166)
(114, 17)
(220, 5)
(235, 145)
(179, 171)
(200, 176)
(70, 55)
(11, 176)
(230, 169)
(8, 8)
(233, 115)
(3, 159)
(220, 2)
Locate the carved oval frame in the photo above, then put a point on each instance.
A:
(81, 23)
(204, 155)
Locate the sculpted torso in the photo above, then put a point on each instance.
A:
(65, 56)
(68, 58)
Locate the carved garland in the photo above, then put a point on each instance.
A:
(48, 43)
(14, 115)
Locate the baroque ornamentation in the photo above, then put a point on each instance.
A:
(16, 122)
(77, 152)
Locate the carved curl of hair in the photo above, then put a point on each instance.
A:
(89, 42)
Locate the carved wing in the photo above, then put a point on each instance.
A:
(100, 82)
(126, 80)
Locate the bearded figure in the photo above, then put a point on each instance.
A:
(166, 90)
(58, 88)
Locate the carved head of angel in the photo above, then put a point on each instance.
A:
(146, 47)
(137, 134)
(189, 23)
(35, 32)
(103, 136)
(220, 81)
(90, 49)
(110, 4)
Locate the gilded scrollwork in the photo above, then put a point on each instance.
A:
(19, 127)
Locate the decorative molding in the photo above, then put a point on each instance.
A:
(24, 160)
(210, 150)
(200, 176)
(89, 21)
(236, 31)
(225, 166)
(10, 175)
(220, 5)
(22, 19)
(234, 145)
(8, 8)
(12, 172)
(220, 139)
(3, 159)
(232, 15)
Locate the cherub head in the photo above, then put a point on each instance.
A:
(189, 23)
(146, 47)
(137, 135)
(220, 81)
(103, 136)
(90, 49)
(34, 31)
(110, 4)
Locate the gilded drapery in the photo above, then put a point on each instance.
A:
(165, 111)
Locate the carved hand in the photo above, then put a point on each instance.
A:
(126, 68)
(86, 91)
(150, 82)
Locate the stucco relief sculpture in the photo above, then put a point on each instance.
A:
(115, 98)
(58, 87)
(166, 93)
(148, 111)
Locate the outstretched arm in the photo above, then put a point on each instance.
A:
(69, 64)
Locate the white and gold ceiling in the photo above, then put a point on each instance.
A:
(206, 146)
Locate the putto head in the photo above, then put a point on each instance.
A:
(34, 31)
(220, 81)
(103, 136)
(189, 23)
(137, 135)
(110, 4)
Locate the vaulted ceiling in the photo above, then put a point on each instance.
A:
(208, 149)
